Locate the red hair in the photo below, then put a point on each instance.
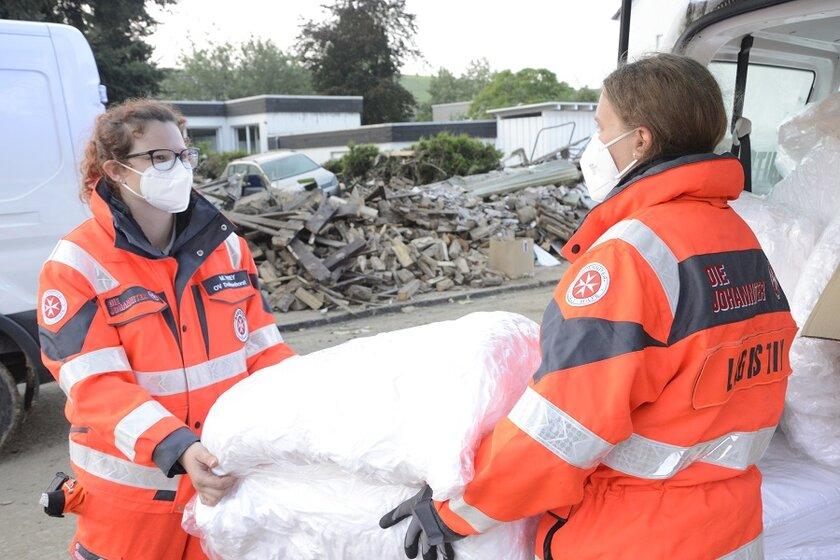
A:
(113, 135)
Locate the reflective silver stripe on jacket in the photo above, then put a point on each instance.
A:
(67, 252)
(753, 550)
(174, 381)
(104, 360)
(645, 458)
(557, 431)
(262, 339)
(477, 519)
(120, 471)
(234, 250)
(135, 423)
(657, 254)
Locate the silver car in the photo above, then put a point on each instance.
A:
(281, 170)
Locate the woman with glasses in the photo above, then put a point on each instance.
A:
(149, 311)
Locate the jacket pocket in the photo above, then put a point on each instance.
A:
(125, 308)
(131, 304)
(229, 287)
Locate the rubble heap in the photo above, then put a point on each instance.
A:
(378, 243)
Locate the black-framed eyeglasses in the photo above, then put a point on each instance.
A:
(164, 159)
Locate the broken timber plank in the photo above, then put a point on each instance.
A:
(310, 262)
(349, 250)
(308, 298)
(402, 253)
(321, 216)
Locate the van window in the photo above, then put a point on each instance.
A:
(773, 95)
(31, 152)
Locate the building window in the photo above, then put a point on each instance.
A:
(207, 139)
(274, 142)
(248, 138)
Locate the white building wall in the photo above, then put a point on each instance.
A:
(219, 124)
(258, 119)
(274, 124)
(584, 127)
(515, 133)
(524, 132)
(285, 124)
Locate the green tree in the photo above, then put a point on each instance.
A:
(446, 87)
(530, 85)
(588, 94)
(227, 71)
(115, 29)
(359, 50)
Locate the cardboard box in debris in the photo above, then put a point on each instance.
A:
(380, 242)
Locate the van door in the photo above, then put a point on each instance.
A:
(39, 200)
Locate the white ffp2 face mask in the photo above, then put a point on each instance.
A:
(598, 167)
(165, 190)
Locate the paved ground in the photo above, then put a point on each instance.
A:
(39, 449)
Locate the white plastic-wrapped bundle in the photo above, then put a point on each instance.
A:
(801, 505)
(325, 444)
(801, 133)
(786, 236)
(812, 189)
(797, 225)
(812, 412)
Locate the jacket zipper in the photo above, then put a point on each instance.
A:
(202, 317)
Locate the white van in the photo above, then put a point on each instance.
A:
(49, 97)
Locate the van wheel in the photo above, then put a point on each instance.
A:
(11, 405)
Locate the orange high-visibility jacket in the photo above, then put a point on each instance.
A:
(143, 343)
(664, 370)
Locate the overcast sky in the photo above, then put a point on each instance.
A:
(576, 40)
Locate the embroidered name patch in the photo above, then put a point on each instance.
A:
(229, 281)
(129, 298)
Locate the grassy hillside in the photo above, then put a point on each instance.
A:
(418, 86)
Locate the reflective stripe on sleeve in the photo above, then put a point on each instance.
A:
(557, 431)
(262, 339)
(645, 458)
(234, 250)
(120, 471)
(97, 362)
(135, 423)
(67, 252)
(753, 550)
(657, 254)
(477, 519)
(174, 381)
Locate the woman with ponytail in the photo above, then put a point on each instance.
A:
(149, 311)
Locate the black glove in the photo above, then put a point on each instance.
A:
(427, 531)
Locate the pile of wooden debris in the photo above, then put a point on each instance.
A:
(378, 243)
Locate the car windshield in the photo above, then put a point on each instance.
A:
(289, 166)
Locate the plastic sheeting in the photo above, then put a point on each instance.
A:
(324, 444)
(812, 412)
(801, 505)
(800, 134)
(798, 225)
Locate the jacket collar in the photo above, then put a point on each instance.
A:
(113, 215)
(711, 177)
